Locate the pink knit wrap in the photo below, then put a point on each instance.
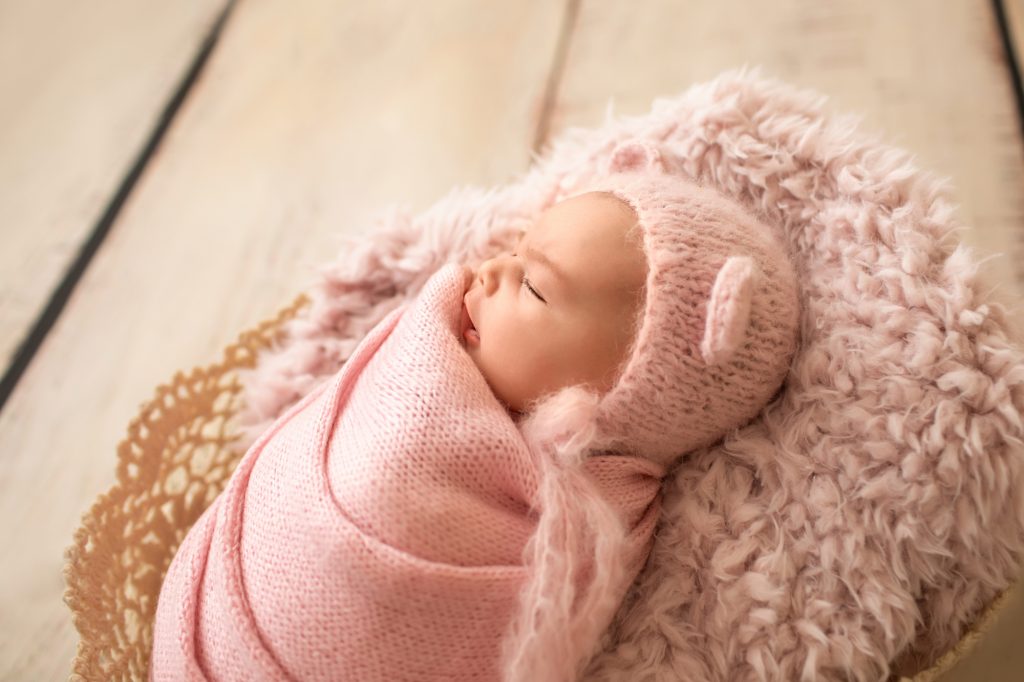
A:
(379, 529)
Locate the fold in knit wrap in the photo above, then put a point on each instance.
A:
(380, 529)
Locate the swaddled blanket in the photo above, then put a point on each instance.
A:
(378, 530)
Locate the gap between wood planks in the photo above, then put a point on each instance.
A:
(1010, 42)
(28, 348)
(572, 10)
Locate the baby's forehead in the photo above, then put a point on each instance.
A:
(591, 238)
(611, 198)
(588, 212)
(602, 200)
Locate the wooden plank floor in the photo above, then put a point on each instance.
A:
(311, 117)
(81, 87)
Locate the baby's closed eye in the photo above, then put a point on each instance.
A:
(526, 283)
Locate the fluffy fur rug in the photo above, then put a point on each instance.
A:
(875, 507)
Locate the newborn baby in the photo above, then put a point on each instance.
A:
(471, 495)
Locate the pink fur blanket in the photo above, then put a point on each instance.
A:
(378, 530)
(876, 507)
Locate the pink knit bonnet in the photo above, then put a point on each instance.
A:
(711, 347)
(719, 325)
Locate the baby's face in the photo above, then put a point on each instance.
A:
(558, 310)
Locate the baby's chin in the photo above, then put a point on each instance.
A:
(474, 354)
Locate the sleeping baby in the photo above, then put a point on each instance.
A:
(470, 496)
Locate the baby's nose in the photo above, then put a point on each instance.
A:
(487, 275)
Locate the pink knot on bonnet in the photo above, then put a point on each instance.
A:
(720, 321)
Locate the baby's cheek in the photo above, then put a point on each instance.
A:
(547, 368)
(527, 370)
(589, 357)
(493, 364)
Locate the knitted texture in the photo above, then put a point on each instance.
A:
(720, 321)
(869, 513)
(378, 530)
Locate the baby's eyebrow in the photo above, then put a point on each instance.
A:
(535, 255)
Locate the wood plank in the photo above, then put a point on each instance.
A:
(308, 119)
(929, 78)
(81, 87)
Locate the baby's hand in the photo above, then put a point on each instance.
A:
(468, 274)
(440, 300)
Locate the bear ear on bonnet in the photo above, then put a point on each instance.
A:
(728, 312)
(728, 308)
(636, 156)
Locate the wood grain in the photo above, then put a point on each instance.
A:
(304, 123)
(931, 79)
(81, 85)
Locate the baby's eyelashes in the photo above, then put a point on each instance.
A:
(526, 283)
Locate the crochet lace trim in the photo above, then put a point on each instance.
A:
(174, 461)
